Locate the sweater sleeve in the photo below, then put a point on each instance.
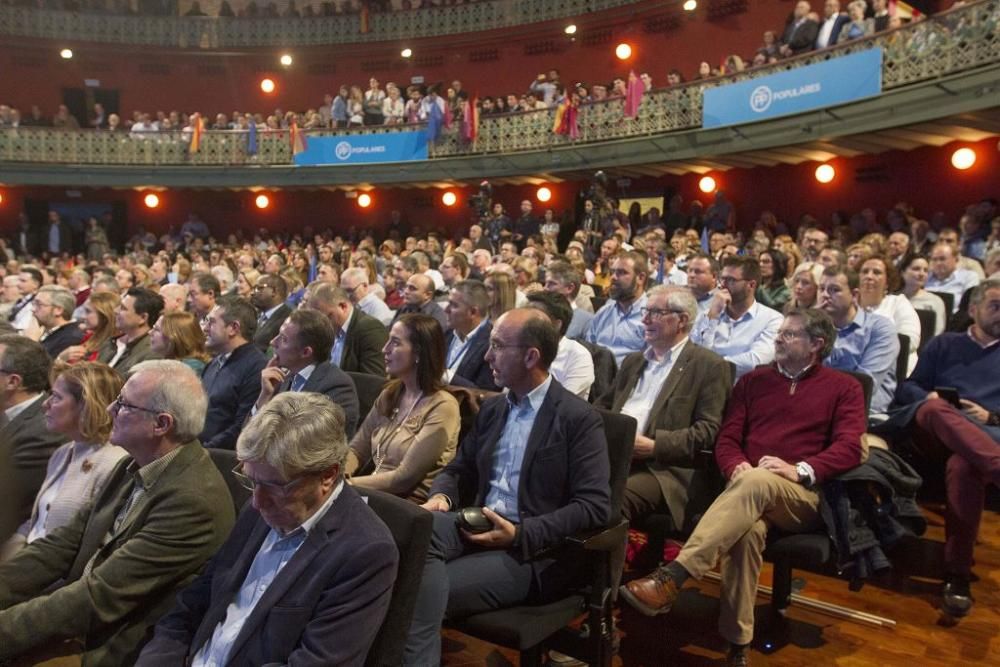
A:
(729, 446)
(848, 425)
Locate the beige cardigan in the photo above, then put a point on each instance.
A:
(411, 453)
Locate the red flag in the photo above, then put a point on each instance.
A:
(566, 119)
(198, 126)
(297, 139)
(470, 119)
(633, 95)
(364, 19)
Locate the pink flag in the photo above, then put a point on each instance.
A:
(633, 95)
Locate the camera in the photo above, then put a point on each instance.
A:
(481, 201)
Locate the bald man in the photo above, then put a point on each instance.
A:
(418, 297)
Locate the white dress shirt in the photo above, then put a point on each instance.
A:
(573, 367)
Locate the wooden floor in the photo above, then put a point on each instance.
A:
(910, 596)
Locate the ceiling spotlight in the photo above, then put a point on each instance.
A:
(963, 158)
(690, 5)
(406, 53)
(267, 85)
(151, 200)
(570, 29)
(449, 199)
(364, 200)
(286, 60)
(262, 201)
(623, 51)
(825, 173)
(544, 194)
(66, 54)
(707, 184)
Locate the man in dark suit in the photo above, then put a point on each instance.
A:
(232, 378)
(268, 297)
(538, 460)
(306, 575)
(58, 235)
(800, 31)
(24, 380)
(677, 392)
(829, 27)
(97, 585)
(54, 306)
(358, 337)
(468, 336)
(301, 350)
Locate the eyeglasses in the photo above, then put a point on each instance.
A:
(119, 404)
(789, 335)
(657, 313)
(273, 488)
(38, 304)
(499, 346)
(729, 280)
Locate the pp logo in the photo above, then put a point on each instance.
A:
(343, 150)
(760, 100)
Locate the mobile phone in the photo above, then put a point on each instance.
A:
(949, 394)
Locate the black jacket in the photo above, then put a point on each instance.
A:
(868, 509)
(232, 389)
(336, 385)
(474, 367)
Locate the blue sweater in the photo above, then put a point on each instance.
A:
(956, 360)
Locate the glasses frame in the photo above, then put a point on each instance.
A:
(119, 405)
(659, 313)
(251, 484)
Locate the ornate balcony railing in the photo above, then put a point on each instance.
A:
(214, 32)
(962, 39)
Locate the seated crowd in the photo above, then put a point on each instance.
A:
(742, 357)
(355, 105)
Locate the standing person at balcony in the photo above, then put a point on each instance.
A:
(800, 31)
(832, 24)
(338, 109)
(857, 25)
(393, 108)
(880, 8)
(64, 120)
(374, 97)
(355, 108)
(546, 86)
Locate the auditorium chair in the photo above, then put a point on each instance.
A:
(225, 460)
(928, 322)
(949, 301)
(605, 370)
(903, 358)
(533, 629)
(368, 387)
(597, 302)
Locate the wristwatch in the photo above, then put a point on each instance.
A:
(805, 479)
(993, 419)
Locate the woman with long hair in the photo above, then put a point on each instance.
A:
(78, 409)
(178, 336)
(805, 285)
(878, 280)
(773, 291)
(502, 292)
(412, 430)
(99, 324)
(246, 280)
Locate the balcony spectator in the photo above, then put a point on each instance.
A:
(64, 119)
(374, 97)
(857, 26)
(546, 85)
(880, 15)
(393, 107)
(800, 31)
(833, 22)
(356, 107)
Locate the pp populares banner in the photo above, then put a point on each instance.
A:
(363, 148)
(829, 83)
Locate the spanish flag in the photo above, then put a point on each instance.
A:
(565, 120)
(198, 125)
(470, 119)
(297, 139)
(364, 18)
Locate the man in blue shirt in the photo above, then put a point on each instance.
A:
(537, 458)
(866, 342)
(966, 438)
(946, 276)
(306, 574)
(618, 324)
(735, 326)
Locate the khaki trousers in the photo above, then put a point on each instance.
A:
(733, 532)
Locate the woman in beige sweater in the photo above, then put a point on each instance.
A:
(412, 430)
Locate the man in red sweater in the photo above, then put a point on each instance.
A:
(789, 426)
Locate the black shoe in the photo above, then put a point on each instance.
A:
(957, 598)
(739, 656)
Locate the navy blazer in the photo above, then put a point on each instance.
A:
(565, 484)
(232, 390)
(336, 385)
(57, 340)
(324, 607)
(267, 330)
(474, 367)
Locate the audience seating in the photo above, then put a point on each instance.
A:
(903, 358)
(225, 460)
(369, 387)
(411, 529)
(949, 301)
(605, 370)
(928, 321)
(531, 629)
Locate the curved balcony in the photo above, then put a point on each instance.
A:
(932, 69)
(218, 33)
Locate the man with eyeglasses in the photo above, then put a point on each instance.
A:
(268, 297)
(95, 586)
(203, 291)
(306, 575)
(676, 391)
(789, 426)
(354, 281)
(537, 458)
(358, 337)
(736, 326)
(617, 326)
(54, 307)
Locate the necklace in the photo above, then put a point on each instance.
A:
(381, 448)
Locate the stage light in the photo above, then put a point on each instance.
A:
(286, 60)
(449, 199)
(825, 173)
(623, 51)
(151, 200)
(406, 53)
(690, 5)
(544, 194)
(66, 54)
(963, 158)
(570, 29)
(267, 85)
(707, 184)
(262, 201)
(364, 200)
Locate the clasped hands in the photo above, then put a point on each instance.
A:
(778, 466)
(500, 537)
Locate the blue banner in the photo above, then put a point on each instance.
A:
(829, 83)
(363, 148)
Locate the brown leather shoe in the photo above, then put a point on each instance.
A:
(652, 595)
